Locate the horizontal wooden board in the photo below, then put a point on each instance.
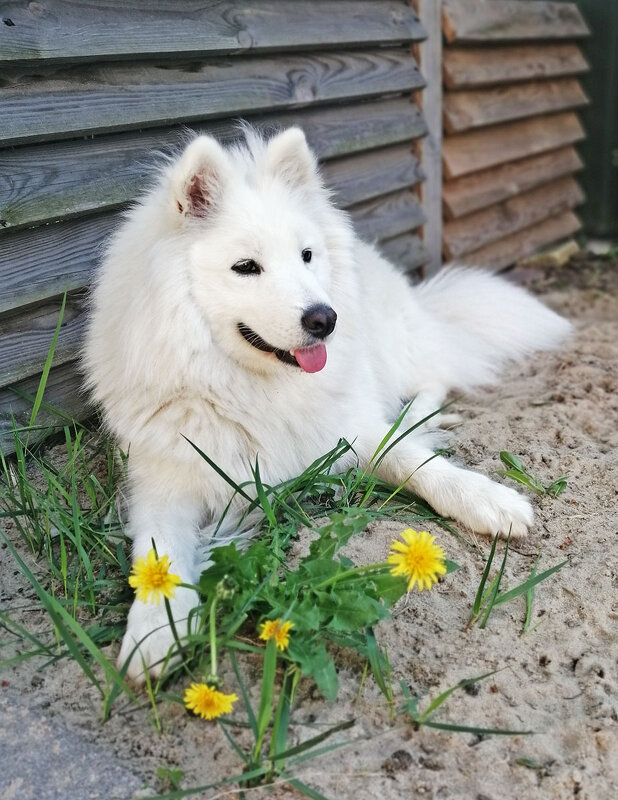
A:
(63, 393)
(509, 20)
(407, 251)
(42, 262)
(466, 67)
(477, 150)
(45, 182)
(524, 243)
(363, 177)
(387, 216)
(93, 31)
(481, 189)
(476, 230)
(89, 99)
(465, 110)
(26, 336)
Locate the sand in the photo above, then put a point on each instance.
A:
(558, 413)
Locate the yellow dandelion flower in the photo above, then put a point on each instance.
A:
(207, 702)
(151, 578)
(418, 558)
(278, 630)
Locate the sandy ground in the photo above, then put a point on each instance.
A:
(558, 413)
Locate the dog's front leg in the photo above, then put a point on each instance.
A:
(172, 526)
(479, 503)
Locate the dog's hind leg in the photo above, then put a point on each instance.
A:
(477, 502)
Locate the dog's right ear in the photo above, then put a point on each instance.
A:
(199, 178)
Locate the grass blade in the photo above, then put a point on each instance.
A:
(245, 697)
(479, 592)
(301, 748)
(530, 596)
(47, 366)
(527, 585)
(445, 726)
(304, 789)
(492, 598)
(435, 704)
(219, 471)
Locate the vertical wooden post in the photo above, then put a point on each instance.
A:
(429, 56)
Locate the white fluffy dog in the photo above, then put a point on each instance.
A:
(236, 308)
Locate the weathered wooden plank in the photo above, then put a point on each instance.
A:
(406, 251)
(26, 335)
(481, 189)
(40, 263)
(465, 110)
(476, 230)
(74, 101)
(363, 177)
(477, 150)
(466, 67)
(63, 391)
(518, 245)
(45, 182)
(120, 29)
(387, 216)
(429, 55)
(509, 20)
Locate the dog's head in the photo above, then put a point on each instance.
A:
(260, 237)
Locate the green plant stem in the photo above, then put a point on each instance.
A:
(213, 641)
(359, 572)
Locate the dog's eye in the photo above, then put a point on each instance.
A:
(307, 255)
(247, 267)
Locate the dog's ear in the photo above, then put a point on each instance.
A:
(288, 157)
(199, 178)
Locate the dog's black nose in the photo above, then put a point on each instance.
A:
(319, 320)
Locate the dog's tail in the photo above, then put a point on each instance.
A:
(488, 319)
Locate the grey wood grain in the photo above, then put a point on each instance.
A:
(66, 103)
(90, 30)
(385, 217)
(50, 181)
(363, 177)
(64, 400)
(26, 336)
(406, 251)
(42, 262)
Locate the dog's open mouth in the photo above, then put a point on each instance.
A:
(309, 359)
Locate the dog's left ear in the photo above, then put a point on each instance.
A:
(288, 157)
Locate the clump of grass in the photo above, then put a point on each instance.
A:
(489, 596)
(411, 706)
(516, 471)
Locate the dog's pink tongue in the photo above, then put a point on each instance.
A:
(311, 359)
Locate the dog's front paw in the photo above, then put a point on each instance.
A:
(149, 642)
(483, 505)
(493, 508)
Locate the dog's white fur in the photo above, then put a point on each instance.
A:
(164, 356)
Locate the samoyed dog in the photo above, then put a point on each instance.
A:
(236, 308)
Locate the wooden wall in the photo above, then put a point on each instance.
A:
(88, 90)
(510, 127)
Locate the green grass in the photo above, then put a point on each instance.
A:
(488, 595)
(68, 543)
